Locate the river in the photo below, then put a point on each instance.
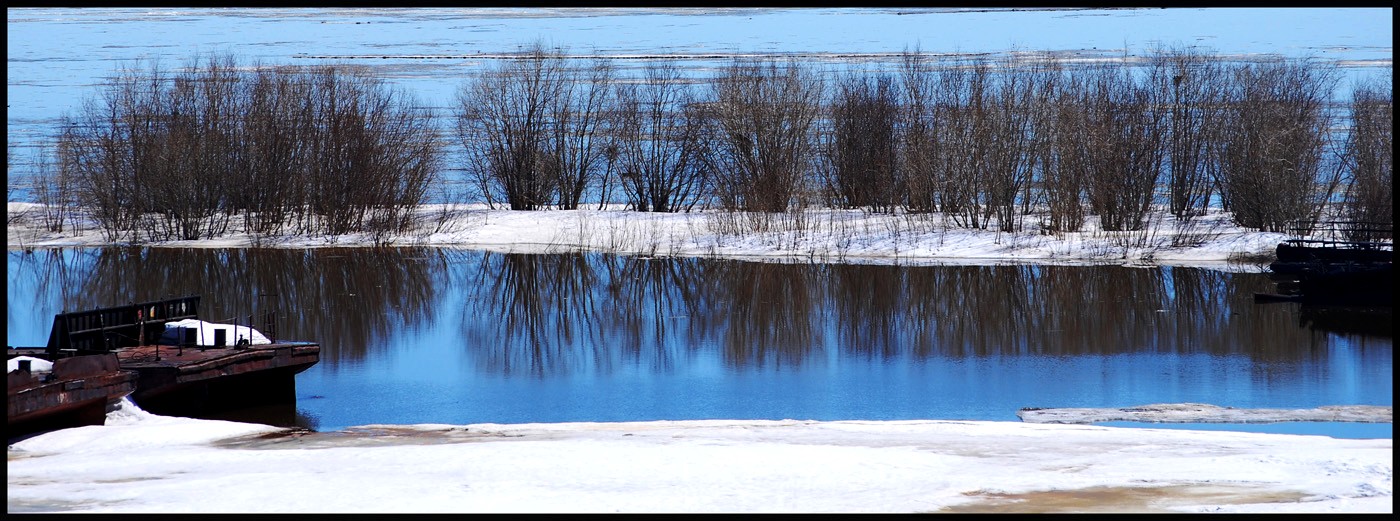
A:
(441, 335)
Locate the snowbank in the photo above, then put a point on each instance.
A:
(824, 235)
(700, 466)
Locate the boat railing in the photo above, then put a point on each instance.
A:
(107, 329)
(1350, 235)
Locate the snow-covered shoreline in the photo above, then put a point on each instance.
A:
(818, 235)
(140, 462)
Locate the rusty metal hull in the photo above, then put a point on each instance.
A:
(186, 380)
(79, 391)
(191, 381)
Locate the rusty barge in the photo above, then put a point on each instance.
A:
(69, 392)
(1337, 264)
(161, 356)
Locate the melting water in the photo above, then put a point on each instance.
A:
(436, 335)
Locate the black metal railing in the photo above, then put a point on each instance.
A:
(106, 329)
(1355, 235)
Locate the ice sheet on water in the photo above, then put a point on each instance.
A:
(1206, 413)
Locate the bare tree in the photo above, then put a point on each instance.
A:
(765, 114)
(504, 125)
(578, 133)
(1368, 154)
(863, 147)
(659, 129)
(1192, 85)
(1274, 149)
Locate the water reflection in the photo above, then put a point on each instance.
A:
(1369, 321)
(568, 313)
(769, 313)
(440, 335)
(531, 313)
(350, 300)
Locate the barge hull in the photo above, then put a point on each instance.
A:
(198, 381)
(78, 391)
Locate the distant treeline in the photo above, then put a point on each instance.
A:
(1006, 143)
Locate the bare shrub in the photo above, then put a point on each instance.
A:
(191, 171)
(10, 176)
(109, 145)
(279, 123)
(1125, 151)
(1275, 143)
(576, 145)
(764, 112)
(373, 153)
(660, 138)
(1193, 86)
(963, 128)
(165, 156)
(863, 146)
(1369, 193)
(51, 185)
(1015, 117)
(503, 124)
(920, 143)
(1045, 78)
(1067, 157)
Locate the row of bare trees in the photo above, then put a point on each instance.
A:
(981, 139)
(987, 143)
(984, 142)
(178, 155)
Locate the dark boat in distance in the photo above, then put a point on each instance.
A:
(161, 355)
(1339, 264)
(1299, 256)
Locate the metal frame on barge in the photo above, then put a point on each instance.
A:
(1335, 263)
(189, 376)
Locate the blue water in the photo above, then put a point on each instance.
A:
(428, 335)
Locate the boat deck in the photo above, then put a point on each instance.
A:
(196, 363)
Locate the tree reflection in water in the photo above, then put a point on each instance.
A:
(350, 300)
(568, 313)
